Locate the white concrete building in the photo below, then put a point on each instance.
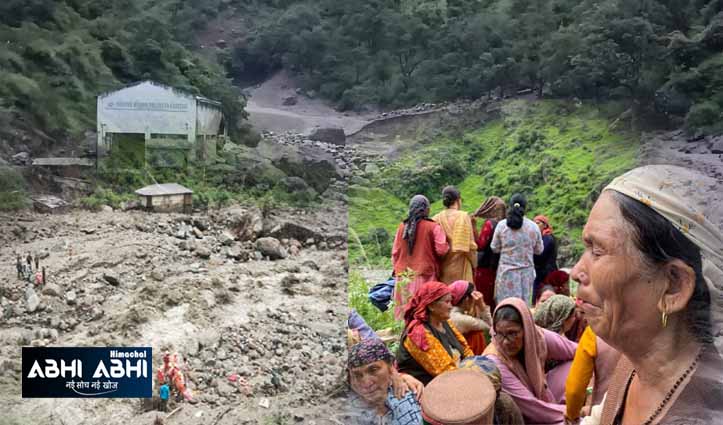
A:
(164, 119)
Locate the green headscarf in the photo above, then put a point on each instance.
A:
(552, 313)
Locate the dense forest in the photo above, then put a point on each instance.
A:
(661, 56)
(58, 55)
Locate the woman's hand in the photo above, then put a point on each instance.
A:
(401, 383)
(414, 384)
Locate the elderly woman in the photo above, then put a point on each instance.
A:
(650, 280)
(430, 343)
(520, 350)
(418, 246)
(546, 262)
(370, 376)
(517, 239)
(492, 210)
(470, 315)
(461, 259)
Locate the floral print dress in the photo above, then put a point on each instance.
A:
(516, 270)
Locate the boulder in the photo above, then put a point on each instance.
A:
(226, 238)
(294, 184)
(53, 290)
(246, 224)
(32, 300)
(203, 252)
(22, 158)
(331, 135)
(111, 278)
(271, 247)
(292, 230)
(71, 297)
(290, 100)
(716, 145)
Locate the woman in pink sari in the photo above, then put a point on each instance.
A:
(520, 350)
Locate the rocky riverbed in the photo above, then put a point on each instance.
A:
(253, 301)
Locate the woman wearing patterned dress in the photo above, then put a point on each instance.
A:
(517, 239)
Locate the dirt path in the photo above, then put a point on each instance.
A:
(277, 324)
(267, 111)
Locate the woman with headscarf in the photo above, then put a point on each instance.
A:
(493, 210)
(418, 246)
(461, 259)
(470, 315)
(517, 239)
(556, 314)
(546, 262)
(371, 376)
(430, 343)
(520, 350)
(650, 286)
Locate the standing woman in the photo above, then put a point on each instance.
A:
(418, 245)
(493, 210)
(517, 239)
(546, 262)
(459, 262)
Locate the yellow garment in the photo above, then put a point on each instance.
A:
(462, 255)
(580, 373)
(436, 359)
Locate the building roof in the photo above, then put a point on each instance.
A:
(163, 189)
(155, 83)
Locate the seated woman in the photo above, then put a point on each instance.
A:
(557, 314)
(371, 376)
(650, 286)
(470, 315)
(520, 350)
(546, 292)
(430, 343)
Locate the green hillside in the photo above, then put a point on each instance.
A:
(559, 155)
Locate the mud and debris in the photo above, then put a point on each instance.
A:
(253, 302)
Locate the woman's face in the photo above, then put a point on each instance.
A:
(371, 381)
(540, 224)
(617, 294)
(510, 337)
(441, 308)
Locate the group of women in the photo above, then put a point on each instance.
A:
(510, 255)
(650, 282)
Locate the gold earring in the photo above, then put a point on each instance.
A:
(664, 319)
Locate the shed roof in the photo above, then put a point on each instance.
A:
(163, 189)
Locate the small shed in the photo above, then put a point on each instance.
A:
(167, 197)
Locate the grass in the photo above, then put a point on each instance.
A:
(358, 292)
